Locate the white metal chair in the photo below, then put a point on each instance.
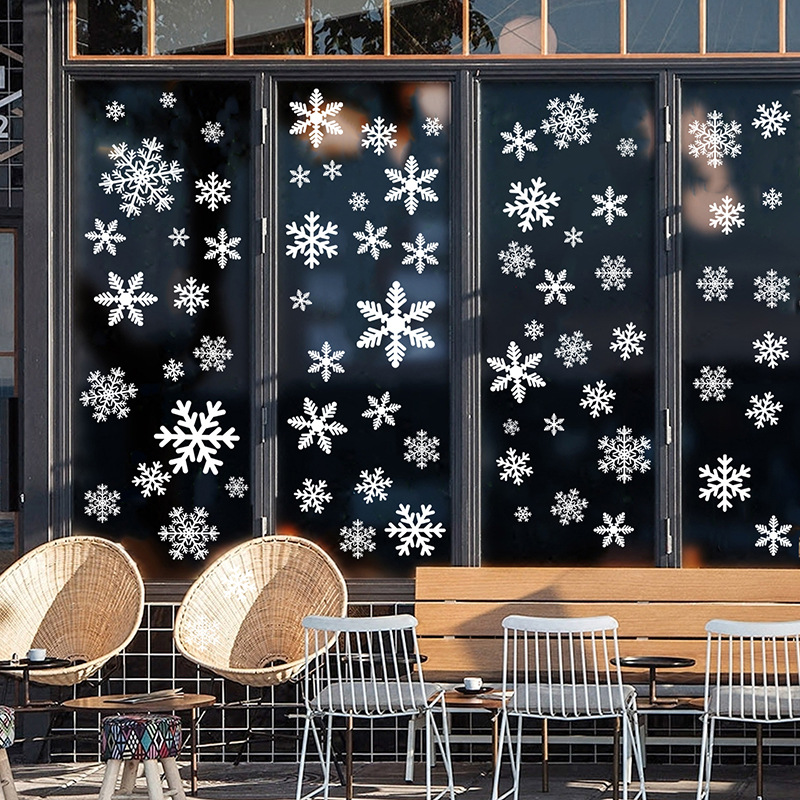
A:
(751, 676)
(368, 668)
(560, 669)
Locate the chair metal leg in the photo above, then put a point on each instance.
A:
(545, 757)
(759, 760)
(412, 729)
(348, 762)
(615, 761)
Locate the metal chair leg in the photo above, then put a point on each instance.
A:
(545, 757)
(615, 759)
(759, 760)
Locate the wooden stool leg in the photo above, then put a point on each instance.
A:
(6, 778)
(153, 779)
(128, 782)
(113, 767)
(173, 777)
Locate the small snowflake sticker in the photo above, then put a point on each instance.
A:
(554, 424)
(715, 138)
(613, 530)
(179, 237)
(519, 141)
(516, 374)
(770, 350)
(212, 191)
(312, 496)
(573, 349)
(108, 395)
(772, 199)
(627, 147)
(724, 483)
(188, 533)
(212, 353)
(727, 215)
(624, 454)
(569, 507)
(373, 485)
(771, 120)
(613, 273)
(712, 383)
(312, 240)
(300, 176)
(151, 479)
(598, 399)
(212, 133)
(358, 201)
(532, 204)
(415, 530)
(421, 449)
(627, 341)
(573, 237)
(569, 122)
(411, 187)
(332, 170)
(236, 487)
(432, 126)
(115, 111)
(773, 536)
(317, 424)
(101, 503)
(522, 514)
(771, 289)
(222, 249)
(105, 237)
(516, 259)
(715, 284)
(357, 539)
(555, 287)
(167, 100)
(191, 295)
(316, 120)
(372, 240)
(300, 300)
(378, 136)
(123, 300)
(534, 330)
(173, 370)
(514, 467)
(326, 361)
(763, 410)
(380, 410)
(420, 253)
(609, 205)
(511, 427)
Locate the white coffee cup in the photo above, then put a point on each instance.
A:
(473, 684)
(37, 654)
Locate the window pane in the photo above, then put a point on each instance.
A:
(426, 26)
(105, 28)
(663, 26)
(742, 26)
(741, 362)
(269, 28)
(363, 316)
(568, 323)
(508, 28)
(793, 25)
(349, 27)
(190, 26)
(7, 293)
(6, 376)
(585, 26)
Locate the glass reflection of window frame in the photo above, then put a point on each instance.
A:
(13, 352)
(7, 555)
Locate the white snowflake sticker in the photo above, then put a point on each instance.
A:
(534, 330)
(332, 170)
(421, 449)
(715, 138)
(378, 136)
(613, 530)
(105, 237)
(770, 350)
(380, 410)
(301, 300)
(188, 533)
(598, 399)
(554, 424)
(627, 341)
(531, 204)
(326, 361)
(212, 191)
(191, 295)
(317, 423)
(773, 536)
(569, 507)
(511, 427)
(101, 503)
(517, 373)
(312, 496)
(358, 201)
(222, 249)
(573, 349)
(315, 119)
(372, 240)
(420, 253)
(723, 483)
(299, 176)
(167, 100)
(727, 215)
(236, 487)
(715, 284)
(179, 237)
(411, 187)
(432, 126)
(609, 205)
(613, 273)
(173, 370)
(712, 383)
(572, 237)
(522, 514)
(627, 147)
(312, 240)
(357, 539)
(151, 479)
(516, 259)
(555, 287)
(212, 133)
(124, 299)
(624, 454)
(240, 585)
(763, 410)
(415, 530)
(772, 198)
(373, 485)
(212, 353)
(569, 122)
(771, 120)
(514, 466)
(115, 111)
(771, 289)
(519, 141)
(108, 395)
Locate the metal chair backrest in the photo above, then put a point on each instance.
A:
(561, 667)
(363, 666)
(752, 670)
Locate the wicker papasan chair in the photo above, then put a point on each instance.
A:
(242, 618)
(80, 597)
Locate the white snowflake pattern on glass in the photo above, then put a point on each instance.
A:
(173, 370)
(773, 536)
(179, 237)
(191, 295)
(771, 120)
(770, 350)
(197, 436)
(411, 187)
(299, 176)
(573, 237)
(151, 479)
(534, 330)
(715, 284)
(312, 496)
(105, 236)
(764, 410)
(358, 201)
(372, 240)
(573, 349)
(378, 136)
(517, 373)
(554, 424)
(140, 177)
(519, 141)
(415, 530)
(373, 484)
(188, 533)
(312, 240)
(614, 530)
(212, 132)
(167, 100)
(772, 199)
(432, 126)
(395, 324)
(715, 139)
(357, 539)
(531, 204)
(623, 454)
(511, 427)
(212, 353)
(101, 503)
(514, 466)
(771, 289)
(421, 449)
(240, 585)
(212, 191)
(627, 147)
(317, 423)
(125, 299)
(712, 383)
(332, 170)
(555, 287)
(569, 122)
(724, 483)
(516, 259)
(201, 632)
(726, 215)
(108, 395)
(569, 506)
(613, 273)
(628, 341)
(609, 205)
(115, 111)
(315, 119)
(420, 253)
(380, 410)
(301, 300)
(523, 514)
(236, 487)
(598, 398)
(326, 361)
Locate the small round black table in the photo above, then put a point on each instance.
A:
(25, 666)
(653, 663)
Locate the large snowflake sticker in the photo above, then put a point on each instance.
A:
(715, 138)
(712, 383)
(764, 410)
(598, 398)
(373, 485)
(315, 119)
(105, 237)
(197, 436)
(715, 284)
(609, 205)
(380, 410)
(357, 539)
(317, 423)
(378, 136)
(420, 253)
(771, 120)
(773, 536)
(312, 240)
(421, 449)
(770, 350)
(191, 296)
(555, 287)
(519, 141)
(140, 177)
(627, 341)
(326, 361)
(108, 395)
(613, 273)
(723, 483)
(614, 530)
(212, 191)
(151, 479)
(531, 204)
(212, 353)
(188, 533)
(124, 299)
(236, 487)
(372, 240)
(395, 324)
(573, 349)
(569, 122)
(771, 288)
(624, 454)
(516, 259)
(727, 215)
(517, 373)
(101, 503)
(514, 466)
(411, 187)
(312, 496)
(415, 530)
(223, 248)
(569, 506)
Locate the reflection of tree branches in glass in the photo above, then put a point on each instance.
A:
(112, 28)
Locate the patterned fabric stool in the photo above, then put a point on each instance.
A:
(9, 791)
(141, 738)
